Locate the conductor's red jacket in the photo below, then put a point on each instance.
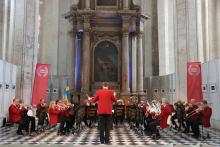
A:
(206, 115)
(105, 98)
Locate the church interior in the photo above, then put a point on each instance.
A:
(150, 53)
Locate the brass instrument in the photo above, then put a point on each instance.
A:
(154, 107)
(133, 99)
(199, 109)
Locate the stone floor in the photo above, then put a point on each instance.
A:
(120, 136)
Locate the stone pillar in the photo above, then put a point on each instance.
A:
(4, 29)
(134, 63)
(125, 4)
(139, 62)
(87, 4)
(125, 63)
(125, 56)
(86, 56)
(73, 57)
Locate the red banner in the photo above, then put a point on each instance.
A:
(40, 83)
(194, 81)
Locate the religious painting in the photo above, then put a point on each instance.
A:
(106, 2)
(106, 62)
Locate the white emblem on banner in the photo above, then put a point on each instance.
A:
(194, 70)
(42, 71)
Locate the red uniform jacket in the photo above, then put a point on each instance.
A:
(14, 114)
(53, 114)
(206, 115)
(163, 116)
(105, 99)
(38, 106)
(61, 115)
(171, 108)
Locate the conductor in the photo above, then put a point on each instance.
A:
(105, 98)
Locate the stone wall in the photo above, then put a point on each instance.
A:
(192, 24)
(20, 43)
(1, 25)
(149, 37)
(166, 36)
(55, 39)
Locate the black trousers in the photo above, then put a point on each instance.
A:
(33, 125)
(105, 124)
(189, 123)
(24, 124)
(42, 117)
(180, 121)
(66, 121)
(153, 127)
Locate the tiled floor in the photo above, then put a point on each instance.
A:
(119, 136)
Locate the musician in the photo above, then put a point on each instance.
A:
(193, 118)
(61, 106)
(66, 121)
(206, 115)
(28, 117)
(161, 118)
(18, 114)
(41, 114)
(179, 114)
(164, 114)
(143, 106)
(150, 123)
(15, 115)
(105, 98)
(53, 113)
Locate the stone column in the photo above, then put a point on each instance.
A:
(125, 4)
(73, 58)
(86, 56)
(87, 4)
(139, 62)
(134, 63)
(4, 28)
(125, 63)
(125, 56)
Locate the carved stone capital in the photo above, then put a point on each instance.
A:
(86, 23)
(125, 18)
(86, 18)
(73, 32)
(139, 34)
(125, 33)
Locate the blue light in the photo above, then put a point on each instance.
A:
(77, 63)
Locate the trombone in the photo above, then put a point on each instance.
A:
(194, 112)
